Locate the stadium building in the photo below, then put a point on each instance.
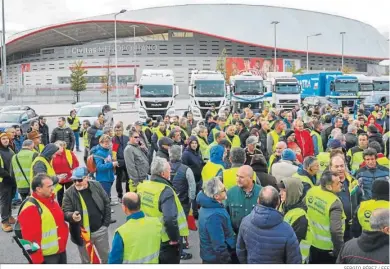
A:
(184, 38)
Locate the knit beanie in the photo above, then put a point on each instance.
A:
(288, 155)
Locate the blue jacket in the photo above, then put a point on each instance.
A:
(104, 170)
(216, 155)
(264, 238)
(18, 141)
(116, 254)
(216, 235)
(366, 177)
(210, 138)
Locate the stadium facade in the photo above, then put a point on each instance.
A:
(184, 38)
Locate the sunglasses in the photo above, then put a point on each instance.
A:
(78, 180)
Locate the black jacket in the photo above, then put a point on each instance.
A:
(163, 153)
(193, 160)
(351, 141)
(6, 155)
(92, 139)
(299, 226)
(64, 134)
(369, 248)
(71, 203)
(325, 135)
(44, 130)
(122, 142)
(261, 170)
(263, 143)
(244, 134)
(167, 206)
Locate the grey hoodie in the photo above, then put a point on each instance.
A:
(137, 163)
(294, 188)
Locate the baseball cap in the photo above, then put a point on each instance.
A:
(166, 141)
(79, 173)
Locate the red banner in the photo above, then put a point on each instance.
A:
(256, 66)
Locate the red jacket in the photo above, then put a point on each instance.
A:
(61, 165)
(31, 227)
(305, 142)
(380, 129)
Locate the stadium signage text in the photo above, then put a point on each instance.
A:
(105, 49)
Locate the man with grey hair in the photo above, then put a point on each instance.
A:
(183, 128)
(252, 148)
(372, 247)
(20, 167)
(217, 239)
(351, 137)
(183, 181)
(264, 238)
(158, 199)
(308, 175)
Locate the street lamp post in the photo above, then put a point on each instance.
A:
(134, 53)
(342, 50)
(275, 23)
(116, 60)
(4, 53)
(307, 50)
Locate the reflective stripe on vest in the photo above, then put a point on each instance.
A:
(141, 239)
(305, 244)
(25, 158)
(275, 138)
(150, 192)
(76, 123)
(318, 204)
(323, 159)
(2, 166)
(85, 216)
(304, 179)
(85, 139)
(210, 170)
(365, 210)
(319, 141)
(49, 242)
(236, 143)
(230, 175)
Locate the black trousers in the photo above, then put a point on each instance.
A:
(169, 254)
(7, 192)
(60, 193)
(59, 258)
(319, 256)
(194, 204)
(24, 195)
(121, 176)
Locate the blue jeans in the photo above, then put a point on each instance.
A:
(107, 187)
(77, 137)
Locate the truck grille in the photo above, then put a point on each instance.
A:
(288, 101)
(156, 113)
(252, 105)
(209, 103)
(160, 105)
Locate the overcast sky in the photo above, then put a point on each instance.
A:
(27, 14)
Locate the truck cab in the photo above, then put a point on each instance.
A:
(380, 93)
(246, 90)
(155, 94)
(286, 92)
(366, 87)
(206, 89)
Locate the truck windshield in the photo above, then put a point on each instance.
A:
(157, 91)
(346, 86)
(366, 87)
(287, 88)
(249, 87)
(381, 86)
(210, 88)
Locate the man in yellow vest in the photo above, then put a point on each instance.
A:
(355, 154)
(203, 143)
(74, 124)
(86, 203)
(294, 209)
(36, 138)
(316, 137)
(308, 174)
(84, 135)
(183, 129)
(138, 240)
(41, 221)
(215, 164)
(274, 136)
(276, 155)
(326, 218)
(160, 132)
(232, 137)
(380, 199)
(158, 199)
(21, 165)
(221, 122)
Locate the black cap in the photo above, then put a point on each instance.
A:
(380, 190)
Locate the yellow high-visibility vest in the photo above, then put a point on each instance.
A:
(210, 170)
(365, 210)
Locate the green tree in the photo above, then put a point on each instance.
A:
(221, 62)
(78, 81)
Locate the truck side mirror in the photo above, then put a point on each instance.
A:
(176, 90)
(135, 90)
(190, 90)
(332, 87)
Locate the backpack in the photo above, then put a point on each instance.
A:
(18, 231)
(91, 165)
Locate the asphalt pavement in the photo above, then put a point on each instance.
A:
(11, 253)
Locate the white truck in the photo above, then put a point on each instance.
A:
(155, 94)
(206, 89)
(366, 87)
(286, 92)
(246, 90)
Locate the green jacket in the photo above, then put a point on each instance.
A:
(238, 205)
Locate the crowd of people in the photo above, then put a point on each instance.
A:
(299, 186)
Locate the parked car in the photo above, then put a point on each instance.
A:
(16, 108)
(79, 105)
(89, 112)
(318, 101)
(21, 118)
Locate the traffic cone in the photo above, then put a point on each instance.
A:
(191, 222)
